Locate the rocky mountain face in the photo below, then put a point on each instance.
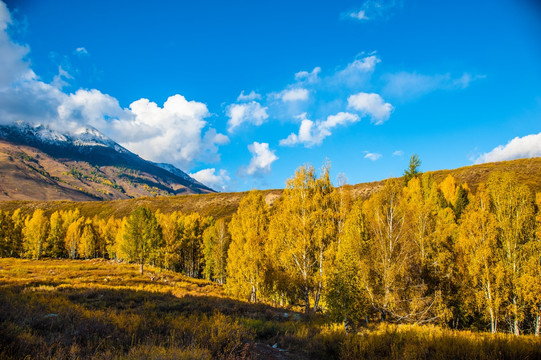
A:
(41, 163)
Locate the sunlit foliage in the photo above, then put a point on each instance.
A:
(415, 253)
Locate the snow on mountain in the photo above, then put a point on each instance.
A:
(174, 170)
(90, 145)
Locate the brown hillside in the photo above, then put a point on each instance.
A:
(223, 205)
(27, 173)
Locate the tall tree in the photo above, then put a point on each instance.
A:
(88, 242)
(143, 236)
(193, 226)
(107, 231)
(530, 280)
(421, 209)
(73, 235)
(347, 296)
(391, 255)
(246, 262)
(6, 226)
(216, 242)
(172, 228)
(15, 242)
(35, 234)
(302, 231)
(55, 241)
(515, 216)
(413, 168)
(482, 266)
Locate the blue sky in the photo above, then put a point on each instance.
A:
(242, 93)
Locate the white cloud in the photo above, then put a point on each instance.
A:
(59, 81)
(520, 147)
(248, 97)
(371, 104)
(355, 74)
(90, 107)
(398, 153)
(262, 159)
(297, 94)
(13, 64)
(175, 133)
(313, 133)
(358, 15)
(372, 156)
(408, 85)
(309, 77)
(252, 113)
(211, 178)
(81, 51)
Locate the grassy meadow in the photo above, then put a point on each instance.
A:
(99, 309)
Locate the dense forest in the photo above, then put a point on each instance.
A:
(417, 251)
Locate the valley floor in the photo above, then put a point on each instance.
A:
(98, 309)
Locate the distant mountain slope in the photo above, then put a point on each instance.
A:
(39, 163)
(223, 205)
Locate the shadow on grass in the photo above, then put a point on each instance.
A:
(47, 322)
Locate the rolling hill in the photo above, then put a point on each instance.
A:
(223, 205)
(40, 163)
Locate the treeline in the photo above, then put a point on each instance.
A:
(415, 252)
(175, 241)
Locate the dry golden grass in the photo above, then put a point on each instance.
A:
(98, 309)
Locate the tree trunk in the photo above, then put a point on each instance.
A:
(318, 295)
(141, 267)
(492, 322)
(516, 325)
(537, 325)
(253, 295)
(307, 300)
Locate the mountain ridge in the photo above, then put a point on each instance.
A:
(82, 165)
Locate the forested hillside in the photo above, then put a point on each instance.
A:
(416, 251)
(223, 205)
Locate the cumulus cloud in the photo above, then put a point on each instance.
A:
(313, 133)
(262, 159)
(90, 107)
(176, 133)
(371, 104)
(251, 112)
(296, 94)
(309, 77)
(372, 156)
(398, 153)
(520, 147)
(212, 178)
(248, 97)
(13, 64)
(173, 132)
(408, 85)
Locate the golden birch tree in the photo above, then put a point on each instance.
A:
(514, 214)
(246, 262)
(482, 266)
(35, 232)
(216, 242)
(302, 230)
